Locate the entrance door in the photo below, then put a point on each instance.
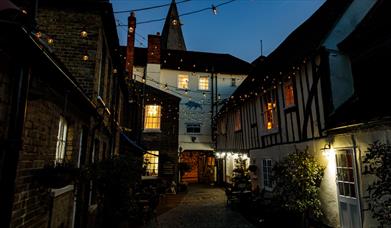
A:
(348, 195)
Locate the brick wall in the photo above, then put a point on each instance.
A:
(65, 26)
(165, 141)
(32, 202)
(5, 97)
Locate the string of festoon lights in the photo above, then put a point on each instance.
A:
(49, 41)
(184, 92)
(266, 83)
(213, 8)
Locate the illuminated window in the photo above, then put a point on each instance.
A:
(267, 173)
(289, 93)
(152, 117)
(345, 173)
(270, 111)
(238, 124)
(183, 81)
(151, 163)
(61, 140)
(203, 83)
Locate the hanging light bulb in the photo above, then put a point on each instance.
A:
(85, 57)
(218, 97)
(83, 33)
(214, 9)
(186, 91)
(166, 86)
(131, 29)
(38, 34)
(50, 41)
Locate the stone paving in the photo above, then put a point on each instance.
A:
(202, 207)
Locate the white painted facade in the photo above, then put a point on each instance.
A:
(195, 106)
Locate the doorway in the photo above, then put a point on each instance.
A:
(347, 188)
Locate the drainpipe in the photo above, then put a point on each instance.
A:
(13, 143)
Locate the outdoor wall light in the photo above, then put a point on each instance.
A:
(328, 151)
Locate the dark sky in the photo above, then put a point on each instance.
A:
(237, 28)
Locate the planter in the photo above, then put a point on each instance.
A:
(56, 176)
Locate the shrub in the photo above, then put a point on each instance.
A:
(377, 162)
(297, 183)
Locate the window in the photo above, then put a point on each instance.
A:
(61, 140)
(233, 81)
(267, 173)
(238, 124)
(345, 173)
(183, 81)
(270, 111)
(289, 93)
(193, 128)
(152, 117)
(223, 126)
(151, 163)
(203, 83)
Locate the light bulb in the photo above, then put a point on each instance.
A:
(83, 33)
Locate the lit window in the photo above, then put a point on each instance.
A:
(61, 140)
(193, 128)
(151, 163)
(289, 93)
(183, 81)
(152, 117)
(267, 173)
(346, 173)
(238, 124)
(270, 111)
(203, 83)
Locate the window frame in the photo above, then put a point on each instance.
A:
(194, 124)
(223, 126)
(269, 112)
(61, 140)
(180, 81)
(207, 83)
(153, 120)
(289, 101)
(238, 120)
(267, 169)
(155, 164)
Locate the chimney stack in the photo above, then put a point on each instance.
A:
(154, 48)
(130, 44)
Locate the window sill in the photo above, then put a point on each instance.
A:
(152, 131)
(270, 131)
(290, 108)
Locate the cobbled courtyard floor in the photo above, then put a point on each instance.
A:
(202, 207)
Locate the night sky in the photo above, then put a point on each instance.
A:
(237, 28)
